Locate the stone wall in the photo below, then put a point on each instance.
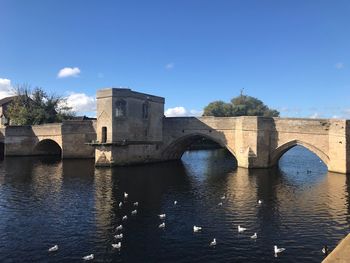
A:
(259, 142)
(71, 137)
(133, 122)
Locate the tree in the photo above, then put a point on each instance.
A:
(242, 105)
(37, 107)
(218, 109)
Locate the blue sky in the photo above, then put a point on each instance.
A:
(293, 55)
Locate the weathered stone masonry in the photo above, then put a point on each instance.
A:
(131, 129)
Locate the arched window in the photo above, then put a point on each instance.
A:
(120, 108)
(145, 110)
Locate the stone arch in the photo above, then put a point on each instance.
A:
(278, 152)
(176, 148)
(47, 147)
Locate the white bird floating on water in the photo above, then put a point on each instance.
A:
(53, 249)
(220, 204)
(255, 236)
(162, 225)
(120, 227)
(118, 245)
(213, 243)
(120, 236)
(278, 250)
(175, 202)
(134, 212)
(259, 202)
(325, 250)
(162, 216)
(197, 228)
(136, 204)
(241, 229)
(89, 257)
(126, 195)
(125, 218)
(120, 204)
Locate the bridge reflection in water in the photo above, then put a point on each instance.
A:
(77, 206)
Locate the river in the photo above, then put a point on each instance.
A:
(44, 202)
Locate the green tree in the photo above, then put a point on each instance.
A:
(242, 105)
(37, 107)
(218, 109)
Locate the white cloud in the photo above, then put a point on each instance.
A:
(181, 111)
(68, 72)
(169, 66)
(176, 112)
(316, 115)
(6, 88)
(339, 65)
(80, 102)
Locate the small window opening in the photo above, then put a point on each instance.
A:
(145, 110)
(104, 135)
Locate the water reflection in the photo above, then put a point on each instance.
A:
(70, 203)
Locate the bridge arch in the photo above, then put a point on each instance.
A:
(47, 147)
(177, 148)
(279, 151)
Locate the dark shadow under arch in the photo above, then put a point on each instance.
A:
(278, 152)
(2, 150)
(176, 149)
(47, 147)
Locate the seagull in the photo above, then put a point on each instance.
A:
(125, 218)
(220, 204)
(213, 243)
(325, 250)
(197, 228)
(175, 202)
(223, 197)
(89, 257)
(126, 195)
(120, 227)
(136, 204)
(134, 212)
(53, 249)
(259, 202)
(118, 245)
(255, 236)
(278, 250)
(120, 204)
(162, 216)
(241, 229)
(162, 225)
(119, 236)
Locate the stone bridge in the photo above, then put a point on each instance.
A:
(258, 142)
(67, 139)
(131, 129)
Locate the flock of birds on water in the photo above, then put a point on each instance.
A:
(196, 229)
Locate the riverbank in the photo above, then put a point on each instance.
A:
(341, 253)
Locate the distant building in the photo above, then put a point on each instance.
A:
(4, 104)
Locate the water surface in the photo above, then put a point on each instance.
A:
(74, 205)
